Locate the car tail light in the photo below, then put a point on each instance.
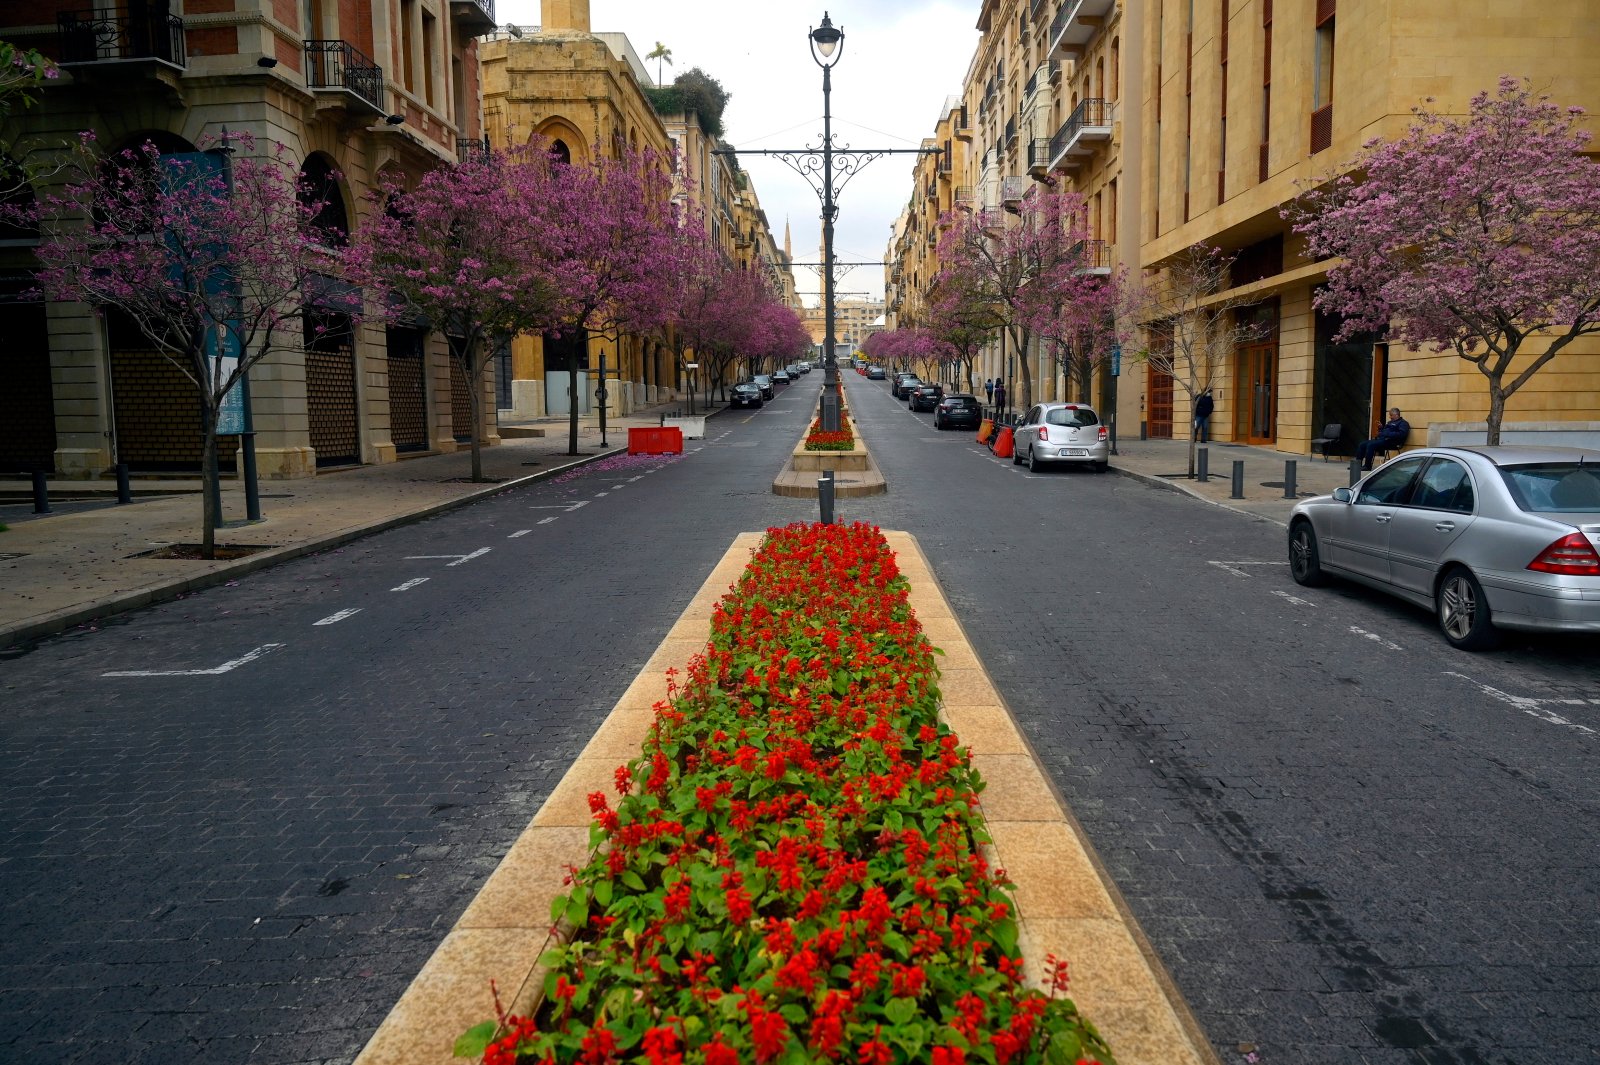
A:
(1044, 432)
(1572, 555)
(1104, 433)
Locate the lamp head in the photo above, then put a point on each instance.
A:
(267, 62)
(395, 120)
(825, 39)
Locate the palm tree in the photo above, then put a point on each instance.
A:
(661, 54)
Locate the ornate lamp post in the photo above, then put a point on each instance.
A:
(827, 48)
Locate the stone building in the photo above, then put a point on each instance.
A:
(353, 90)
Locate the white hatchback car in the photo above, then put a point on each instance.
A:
(1069, 433)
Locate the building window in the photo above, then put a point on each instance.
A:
(1322, 83)
(1116, 67)
(1266, 86)
(430, 26)
(408, 44)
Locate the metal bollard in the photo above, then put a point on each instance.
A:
(1291, 473)
(1202, 469)
(1238, 480)
(41, 493)
(124, 490)
(825, 496)
(1355, 470)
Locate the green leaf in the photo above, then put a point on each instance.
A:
(633, 880)
(1005, 935)
(558, 906)
(897, 943)
(900, 1011)
(475, 1040)
(602, 892)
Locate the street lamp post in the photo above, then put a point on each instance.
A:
(826, 50)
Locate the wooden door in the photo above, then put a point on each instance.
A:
(1255, 393)
(1158, 404)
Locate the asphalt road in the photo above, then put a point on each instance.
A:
(239, 823)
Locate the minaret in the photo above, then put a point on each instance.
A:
(788, 245)
(564, 15)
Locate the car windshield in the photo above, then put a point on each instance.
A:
(762, 377)
(1071, 417)
(1555, 487)
(961, 401)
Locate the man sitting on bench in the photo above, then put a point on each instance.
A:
(1391, 435)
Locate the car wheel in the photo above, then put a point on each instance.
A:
(1464, 612)
(1033, 461)
(1305, 561)
(1016, 454)
(1101, 467)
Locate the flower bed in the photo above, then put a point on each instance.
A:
(793, 872)
(818, 440)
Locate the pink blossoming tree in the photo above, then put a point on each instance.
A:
(466, 250)
(207, 255)
(1473, 234)
(962, 320)
(1079, 316)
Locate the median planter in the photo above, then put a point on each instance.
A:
(856, 474)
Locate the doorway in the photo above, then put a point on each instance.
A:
(1158, 406)
(1256, 388)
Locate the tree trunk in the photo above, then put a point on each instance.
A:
(1497, 412)
(1020, 342)
(211, 483)
(572, 401)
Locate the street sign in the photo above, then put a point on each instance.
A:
(1116, 360)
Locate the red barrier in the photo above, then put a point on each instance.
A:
(985, 430)
(1002, 443)
(667, 440)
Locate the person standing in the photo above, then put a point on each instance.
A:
(1202, 416)
(1391, 434)
(999, 397)
(988, 390)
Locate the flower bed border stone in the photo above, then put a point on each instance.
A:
(1066, 903)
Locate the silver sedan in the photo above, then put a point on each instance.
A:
(1061, 432)
(1485, 537)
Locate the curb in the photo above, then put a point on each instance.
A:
(62, 620)
(1162, 482)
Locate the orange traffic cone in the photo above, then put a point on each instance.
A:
(985, 430)
(1002, 444)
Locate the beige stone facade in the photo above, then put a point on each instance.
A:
(352, 90)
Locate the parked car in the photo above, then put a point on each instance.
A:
(959, 410)
(805, 367)
(1487, 538)
(745, 394)
(781, 377)
(1069, 433)
(903, 384)
(926, 397)
(764, 382)
(876, 373)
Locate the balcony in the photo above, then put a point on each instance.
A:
(1088, 125)
(476, 17)
(1094, 257)
(336, 66)
(107, 35)
(1013, 190)
(964, 197)
(963, 124)
(472, 148)
(1011, 131)
(1076, 24)
(992, 218)
(1038, 157)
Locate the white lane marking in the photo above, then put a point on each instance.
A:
(547, 521)
(1375, 638)
(519, 532)
(459, 559)
(601, 495)
(249, 656)
(1528, 705)
(334, 619)
(1295, 599)
(408, 585)
(1233, 566)
(632, 479)
(568, 507)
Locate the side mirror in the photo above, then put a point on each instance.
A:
(1343, 495)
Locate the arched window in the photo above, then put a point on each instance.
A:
(320, 190)
(1116, 65)
(560, 152)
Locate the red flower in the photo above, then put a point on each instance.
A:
(949, 1056)
(874, 1051)
(719, 1053)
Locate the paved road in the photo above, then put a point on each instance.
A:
(1347, 842)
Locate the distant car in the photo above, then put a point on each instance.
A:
(926, 397)
(1067, 433)
(876, 373)
(781, 377)
(960, 410)
(746, 394)
(764, 382)
(1487, 538)
(903, 383)
(805, 367)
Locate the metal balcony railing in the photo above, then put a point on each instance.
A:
(106, 35)
(479, 10)
(1094, 114)
(339, 65)
(1094, 256)
(1038, 154)
(472, 148)
(964, 196)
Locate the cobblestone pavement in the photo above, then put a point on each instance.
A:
(1347, 842)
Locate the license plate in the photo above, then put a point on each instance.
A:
(1074, 452)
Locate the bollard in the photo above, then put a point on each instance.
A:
(1202, 470)
(124, 490)
(1238, 480)
(1291, 472)
(1355, 470)
(41, 493)
(825, 496)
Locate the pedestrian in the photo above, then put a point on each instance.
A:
(999, 397)
(1202, 416)
(1391, 434)
(988, 390)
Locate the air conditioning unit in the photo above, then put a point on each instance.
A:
(1012, 190)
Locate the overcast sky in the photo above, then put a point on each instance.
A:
(901, 59)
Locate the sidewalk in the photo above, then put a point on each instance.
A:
(1166, 463)
(82, 562)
